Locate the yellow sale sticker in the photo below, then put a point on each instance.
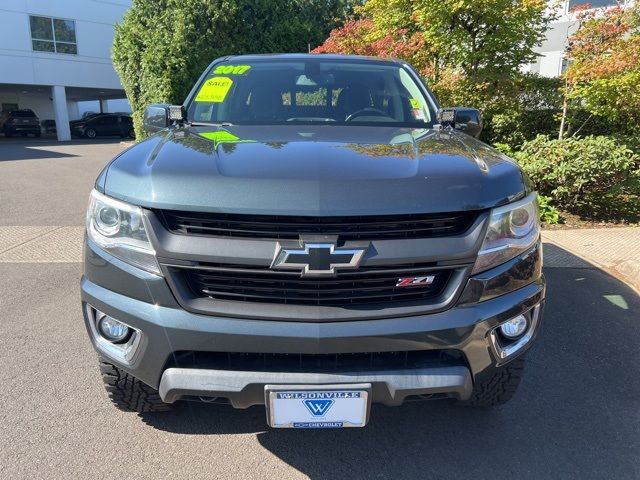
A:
(231, 69)
(415, 103)
(214, 90)
(221, 137)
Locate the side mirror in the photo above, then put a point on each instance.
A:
(467, 120)
(161, 115)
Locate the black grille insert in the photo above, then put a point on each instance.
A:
(366, 285)
(334, 362)
(379, 227)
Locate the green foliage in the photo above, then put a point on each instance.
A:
(529, 107)
(585, 123)
(548, 213)
(486, 39)
(515, 109)
(604, 74)
(516, 127)
(505, 148)
(162, 46)
(470, 53)
(597, 176)
(617, 97)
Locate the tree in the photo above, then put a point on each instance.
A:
(603, 75)
(486, 38)
(469, 51)
(359, 37)
(162, 46)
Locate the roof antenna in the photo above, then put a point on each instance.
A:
(309, 46)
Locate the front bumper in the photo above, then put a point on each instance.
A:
(145, 302)
(244, 389)
(15, 129)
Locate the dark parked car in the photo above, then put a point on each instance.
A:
(103, 125)
(20, 122)
(86, 116)
(49, 126)
(312, 233)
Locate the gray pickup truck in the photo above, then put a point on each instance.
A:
(311, 233)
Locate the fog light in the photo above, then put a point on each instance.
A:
(515, 327)
(112, 329)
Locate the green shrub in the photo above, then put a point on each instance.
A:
(592, 175)
(505, 148)
(587, 124)
(519, 109)
(162, 46)
(548, 213)
(631, 141)
(515, 128)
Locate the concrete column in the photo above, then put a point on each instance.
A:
(103, 106)
(60, 112)
(72, 108)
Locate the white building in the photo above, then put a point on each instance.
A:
(551, 62)
(57, 53)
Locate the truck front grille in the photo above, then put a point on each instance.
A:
(331, 362)
(367, 285)
(378, 227)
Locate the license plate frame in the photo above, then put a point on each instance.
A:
(359, 396)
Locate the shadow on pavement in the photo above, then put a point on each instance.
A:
(574, 416)
(37, 149)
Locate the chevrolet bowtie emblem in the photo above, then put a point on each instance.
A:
(317, 259)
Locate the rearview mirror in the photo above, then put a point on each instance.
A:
(467, 120)
(161, 115)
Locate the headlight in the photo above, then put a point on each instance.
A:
(513, 229)
(118, 228)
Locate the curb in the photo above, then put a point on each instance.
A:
(627, 272)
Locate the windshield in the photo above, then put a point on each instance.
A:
(311, 91)
(22, 113)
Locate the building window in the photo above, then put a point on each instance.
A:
(53, 35)
(592, 3)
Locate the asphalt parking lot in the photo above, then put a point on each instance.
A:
(576, 415)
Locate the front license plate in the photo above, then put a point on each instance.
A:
(331, 406)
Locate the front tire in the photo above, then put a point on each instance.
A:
(128, 393)
(91, 133)
(498, 387)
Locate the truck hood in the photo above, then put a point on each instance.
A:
(313, 170)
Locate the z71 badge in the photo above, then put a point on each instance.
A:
(415, 281)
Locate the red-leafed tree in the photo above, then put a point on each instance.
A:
(603, 75)
(359, 37)
(492, 38)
